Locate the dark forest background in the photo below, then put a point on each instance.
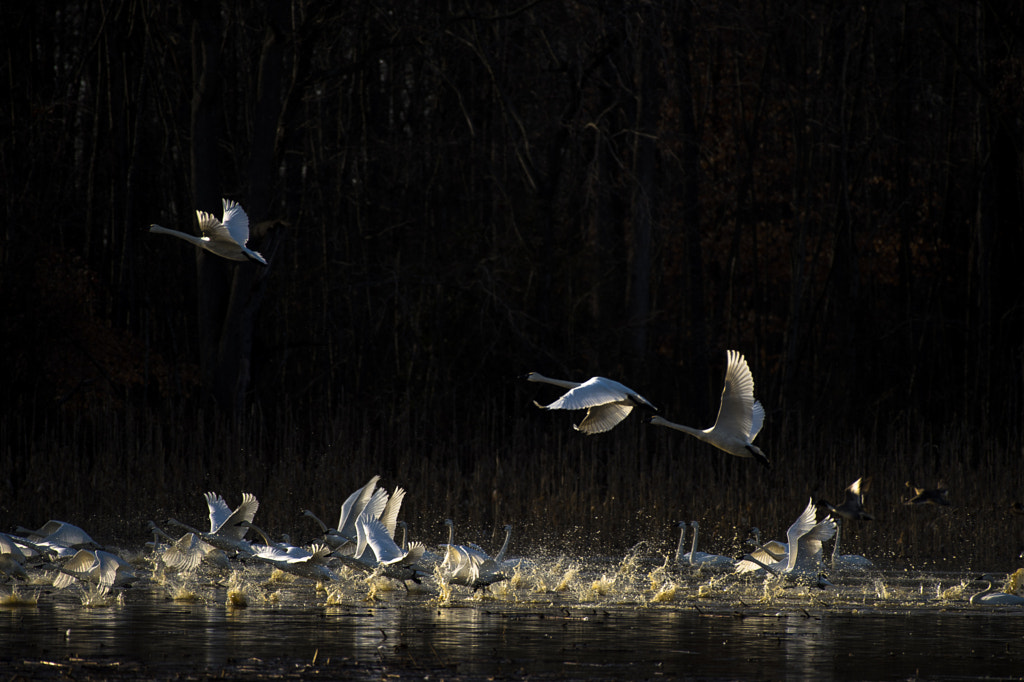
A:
(451, 194)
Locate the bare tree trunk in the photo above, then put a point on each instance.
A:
(639, 306)
(231, 294)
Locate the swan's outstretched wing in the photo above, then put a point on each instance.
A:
(376, 534)
(389, 517)
(352, 507)
(236, 222)
(806, 521)
(212, 228)
(604, 417)
(219, 510)
(591, 393)
(735, 414)
(232, 526)
(757, 420)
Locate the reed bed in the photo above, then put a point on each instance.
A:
(505, 462)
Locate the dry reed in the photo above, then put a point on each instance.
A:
(563, 492)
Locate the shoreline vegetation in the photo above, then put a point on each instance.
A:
(562, 492)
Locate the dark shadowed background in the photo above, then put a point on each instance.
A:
(453, 194)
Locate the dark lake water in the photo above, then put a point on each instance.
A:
(559, 619)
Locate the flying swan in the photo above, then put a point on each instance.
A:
(226, 239)
(740, 417)
(607, 402)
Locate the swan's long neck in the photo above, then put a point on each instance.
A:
(404, 531)
(266, 540)
(533, 376)
(988, 589)
(698, 433)
(835, 547)
(323, 526)
(159, 229)
(504, 547)
(693, 547)
(682, 539)
(451, 533)
(190, 529)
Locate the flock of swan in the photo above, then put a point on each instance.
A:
(364, 540)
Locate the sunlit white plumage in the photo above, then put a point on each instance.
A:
(226, 239)
(97, 566)
(227, 531)
(740, 417)
(803, 551)
(695, 558)
(607, 402)
(59, 533)
(304, 563)
(990, 597)
(12, 559)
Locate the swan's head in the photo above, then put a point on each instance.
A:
(508, 527)
(530, 376)
(682, 524)
(449, 523)
(694, 525)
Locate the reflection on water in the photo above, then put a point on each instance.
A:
(610, 624)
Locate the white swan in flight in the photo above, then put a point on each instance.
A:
(740, 417)
(695, 558)
(607, 402)
(803, 551)
(991, 598)
(226, 239)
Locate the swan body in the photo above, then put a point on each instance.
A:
(453, 552)
(991, 598)
(470, 570)
(695, 558)
(740, 417)
(297, 561)
(227, 527)
(607, 402)
(12, 559)
(374, 534)
(60, 533)
(226, 239)
(185, 553)
(937, 495)
(803, 552)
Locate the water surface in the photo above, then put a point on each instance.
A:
(599, 619)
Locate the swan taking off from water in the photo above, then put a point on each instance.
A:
(227, 527)
(104, 568)
(59, 533)
(803, 551)
(226, 239)
(607, 402)
(695, 558)
(740, 417)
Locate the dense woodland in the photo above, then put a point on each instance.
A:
(451, 194)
